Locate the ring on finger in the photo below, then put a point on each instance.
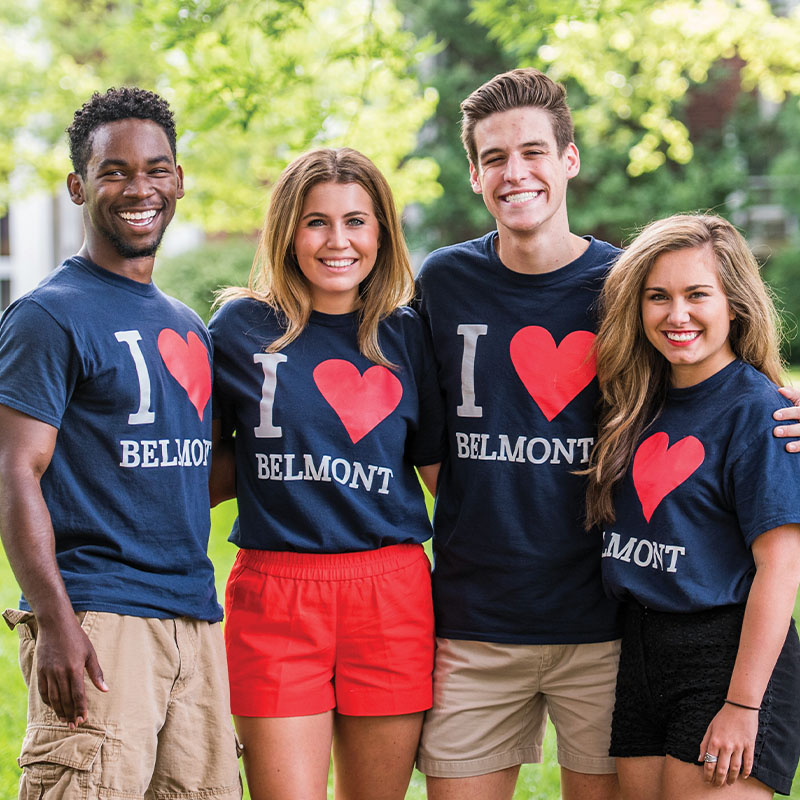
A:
(710, 759)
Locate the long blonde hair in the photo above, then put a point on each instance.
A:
(633, 375)
(275, 277)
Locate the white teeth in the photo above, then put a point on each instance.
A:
(138, 216)
(344, 262)
(681, 337)
(521, 197)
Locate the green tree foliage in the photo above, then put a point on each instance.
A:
(253, 83)
(195, 276)
(637, 59)
(697, 160)
(466, 57)
(606, 200)
(781, 272)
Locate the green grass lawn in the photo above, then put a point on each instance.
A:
(538, 782)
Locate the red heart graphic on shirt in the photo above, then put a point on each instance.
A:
(553, 375)
(360, 401)
(187, 362)
(659, 468)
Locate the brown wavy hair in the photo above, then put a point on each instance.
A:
(276, 278)
(633, 375)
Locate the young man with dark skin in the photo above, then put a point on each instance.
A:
(105, 426)
(524, 629)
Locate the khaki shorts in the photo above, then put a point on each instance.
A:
(162, 730)
(491, 703)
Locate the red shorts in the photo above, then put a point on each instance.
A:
(306, 633)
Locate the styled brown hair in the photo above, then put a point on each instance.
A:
(633, 375)
(276, 278)
(516, 89)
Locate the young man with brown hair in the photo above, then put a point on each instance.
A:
(524, 629)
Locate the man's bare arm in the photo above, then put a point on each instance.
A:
(222, 478)
(63, 650)
(430, 476)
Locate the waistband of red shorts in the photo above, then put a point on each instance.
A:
(331, 566)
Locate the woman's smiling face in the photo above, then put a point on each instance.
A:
(336, 244)
(686, 315)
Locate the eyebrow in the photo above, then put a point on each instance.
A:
(346, 214)
(541, 143)
(687, 289)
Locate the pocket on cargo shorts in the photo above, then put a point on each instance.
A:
(60, 763)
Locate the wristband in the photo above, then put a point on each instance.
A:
(741, 705)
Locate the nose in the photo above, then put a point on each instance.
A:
(678, 312)
(514, 167)
(337, 237)
(138, 186)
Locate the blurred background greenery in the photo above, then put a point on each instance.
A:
(678, 105)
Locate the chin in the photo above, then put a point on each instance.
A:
(127, 250)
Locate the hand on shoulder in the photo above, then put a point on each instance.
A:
(790, 416)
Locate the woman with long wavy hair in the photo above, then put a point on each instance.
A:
(328, 382)
(700, 511)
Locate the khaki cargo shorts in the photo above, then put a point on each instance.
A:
(163, 730)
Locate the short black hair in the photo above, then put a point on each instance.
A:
(116, 104)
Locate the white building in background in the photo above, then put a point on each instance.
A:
(39, 231)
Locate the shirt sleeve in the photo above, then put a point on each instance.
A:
(222, 406)
(39, 367)
(765, 483)
(428, 443)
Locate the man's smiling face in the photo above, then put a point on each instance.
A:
(130, 190)
(520, 172)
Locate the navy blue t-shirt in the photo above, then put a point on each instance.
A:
(512, 562)
(706, 479)
(124, 373)
(326, 441)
